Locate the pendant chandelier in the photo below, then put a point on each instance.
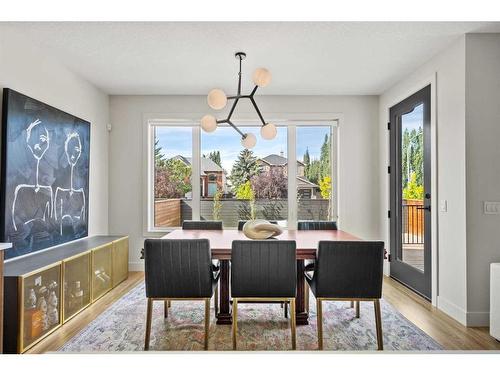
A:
(217, 99)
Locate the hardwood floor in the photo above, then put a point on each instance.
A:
(446, 331)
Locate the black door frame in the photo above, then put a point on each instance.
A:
(419, 281)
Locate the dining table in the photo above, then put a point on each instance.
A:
(221, 245)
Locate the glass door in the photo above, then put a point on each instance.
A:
(410, 192)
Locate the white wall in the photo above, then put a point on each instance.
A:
(448, 68)
(29, 69)
(358, 161)
(482, 75)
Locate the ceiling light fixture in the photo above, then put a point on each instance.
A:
(217, 99)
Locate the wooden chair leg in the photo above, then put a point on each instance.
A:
(166, 304)
(235, 321)
(352, 304)
(286, 309)
(148, 323)
(357, 309)
(169, 303)
(378, 323)
(216, 300)
(319, 315)
(293, 324)
(207, 321)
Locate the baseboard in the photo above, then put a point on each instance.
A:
(136, 266)
(478, 319)
(452, 310)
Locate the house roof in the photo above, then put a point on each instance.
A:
(303, 182)
(207, 165)
(277, 160)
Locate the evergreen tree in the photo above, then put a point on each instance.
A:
(244, 168)
(306, 160)
(325, 158)
(159, 156)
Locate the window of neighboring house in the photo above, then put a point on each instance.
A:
(314, 173)
(241, 184)
(172, 175)
(255, 185)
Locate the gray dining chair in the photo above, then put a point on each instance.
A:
(178, 270)
(346, 271)
(202, 224)
(318, 225)
(263, 271)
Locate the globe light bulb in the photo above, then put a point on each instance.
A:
(268, 131)
(249, 140)
(262, 77)
(217, 99)
(208, 123)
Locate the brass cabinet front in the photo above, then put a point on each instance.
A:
(101, 270)
(76, 284)
(120, 260)
(40, 304)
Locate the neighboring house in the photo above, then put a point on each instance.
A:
(306, 189)
(212, 176)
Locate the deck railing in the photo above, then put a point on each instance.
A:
(413, 222)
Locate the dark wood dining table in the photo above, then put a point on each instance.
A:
(221, 244)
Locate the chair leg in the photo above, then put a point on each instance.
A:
(148, 323)
(235, 321)
(166, 304)
(216, 300)
(352, 304)
(293, 323)
(357, 309)
(306, 292)
(169, 303)
(207, 321)
(286, 309)
(378, 323)
(319, 315)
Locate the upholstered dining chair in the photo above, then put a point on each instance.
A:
(241, 223)
(202, 224)
(178, 270)
(346, 271)
(263, 271)
(318, 225)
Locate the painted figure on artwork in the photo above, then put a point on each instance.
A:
(70, 202)
(33, 203)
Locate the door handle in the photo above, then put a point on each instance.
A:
(427, 208)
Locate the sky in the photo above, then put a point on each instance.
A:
(177, 141)
(414, 119)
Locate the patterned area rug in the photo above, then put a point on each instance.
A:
(261, 327)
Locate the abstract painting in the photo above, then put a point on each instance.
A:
(45, 175)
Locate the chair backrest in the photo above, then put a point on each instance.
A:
(241, 223)
(263, 268)
(202, 224)
(178, 268)
(349, 269)
(316, 225)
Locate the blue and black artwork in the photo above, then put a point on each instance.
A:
(45, 175)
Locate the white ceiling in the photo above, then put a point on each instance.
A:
(305, 58)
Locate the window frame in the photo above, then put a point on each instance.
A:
(333, 120)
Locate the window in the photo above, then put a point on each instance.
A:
(236, 183)
(314, 173)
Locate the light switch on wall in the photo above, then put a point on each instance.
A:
(492, 208)
(443, 205)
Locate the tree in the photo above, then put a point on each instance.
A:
(217, 204)
(306, 159)
(314, 171)
(413, 190)
(325, 158)
(272, 184)
(245, 192)
(159, 156)
(172, 179)
(325, 187)
(215, 157)
(244, 168)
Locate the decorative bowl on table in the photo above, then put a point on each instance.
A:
(261, 229)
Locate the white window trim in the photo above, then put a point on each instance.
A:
(335, 120)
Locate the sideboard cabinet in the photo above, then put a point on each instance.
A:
(46, 289)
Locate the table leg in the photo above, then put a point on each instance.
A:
(302, 315)
(224, 316)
